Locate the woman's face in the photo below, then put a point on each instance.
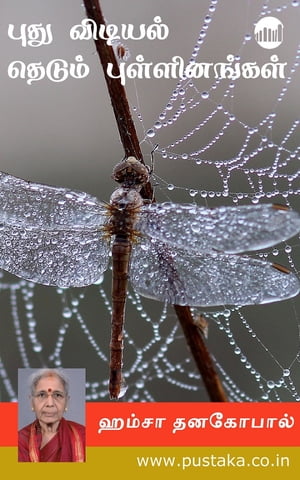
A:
(49, 400)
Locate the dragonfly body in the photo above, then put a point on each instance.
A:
(180, 254)
(125, 205)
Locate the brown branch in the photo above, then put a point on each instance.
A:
(131, 147)
(201, 354)
(117, 93)
(116, 90)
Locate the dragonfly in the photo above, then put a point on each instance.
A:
(182, 254)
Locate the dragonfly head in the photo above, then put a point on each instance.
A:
(131, 173)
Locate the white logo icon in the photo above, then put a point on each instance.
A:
(269, 32)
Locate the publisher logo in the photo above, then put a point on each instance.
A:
(269, 32)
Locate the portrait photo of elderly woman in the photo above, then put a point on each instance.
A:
(52, 436)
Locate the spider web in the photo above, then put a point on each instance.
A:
(219, 141)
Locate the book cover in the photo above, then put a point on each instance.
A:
(166, 133)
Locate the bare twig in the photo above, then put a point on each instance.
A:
(131, 147)
(201, 354)
(117, 93)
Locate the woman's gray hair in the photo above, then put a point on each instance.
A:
(48, 372)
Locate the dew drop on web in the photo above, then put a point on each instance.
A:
(150, 133)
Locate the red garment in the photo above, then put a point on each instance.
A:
(68, 445)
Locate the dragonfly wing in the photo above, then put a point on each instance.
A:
(51, 235)
(177, 277)
(223, 229)
(73, 258)
(28, 204)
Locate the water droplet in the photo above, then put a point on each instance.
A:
(193, 192)
(150, 133)
(205, 95)
(123, 389)
(171, 186)
(288, 249)
(140, 384)
(100, 280)
(270, 384)
(37, 347)
(195, 227)
(286, 372)
(67, 312)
